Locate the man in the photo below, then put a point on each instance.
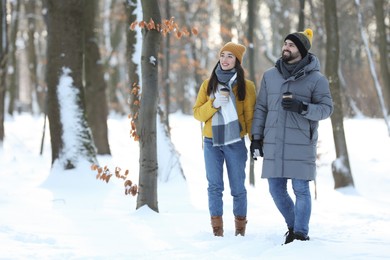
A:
(293, 97)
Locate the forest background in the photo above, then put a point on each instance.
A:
(96, 45)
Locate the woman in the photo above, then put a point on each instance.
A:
(225, 104)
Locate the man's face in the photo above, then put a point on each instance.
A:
(290, 52)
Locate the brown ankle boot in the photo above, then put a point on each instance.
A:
(217, 224)
(240, 225)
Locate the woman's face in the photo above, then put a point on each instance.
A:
(227, 60)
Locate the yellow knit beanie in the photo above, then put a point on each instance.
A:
(237, 49)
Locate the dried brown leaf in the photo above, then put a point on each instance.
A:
(133, 190)
(133, 25)
(128, 183)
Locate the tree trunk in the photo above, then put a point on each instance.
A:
(301, 24)
(199, 54)
(371, 62)
(95, 85)
(12, 62)
(71, 139)
(226, 14)
(165, 68)
(189, 59)
(37, 90)
(340, 167)
(131, 43)
(382, 43)
(252, 8)
(3, 63)
(116, 89)
(148, 111)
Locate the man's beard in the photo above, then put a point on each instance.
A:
(288, 56)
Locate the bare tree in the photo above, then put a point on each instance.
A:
(148, 111)
(252, 8)
(12, 61)
(340, 167)
(226, 16)
(38, 91)
(301, 24)
(383, 48)
(166, 71)
(190, 55)
(3, 62)
(132, 66)
(374, 75)
(115, 31)
(95, 85)
(280, 15)
(71, 139)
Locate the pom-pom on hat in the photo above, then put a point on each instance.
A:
(237, 49)
(302, 40)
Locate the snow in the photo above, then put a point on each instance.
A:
(70, 116)
(152, 60)
(50, 214)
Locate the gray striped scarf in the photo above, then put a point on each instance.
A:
(225, 124)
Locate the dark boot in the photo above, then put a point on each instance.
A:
(240, 225)
(289, 236)
(217, 224)
(299, 236)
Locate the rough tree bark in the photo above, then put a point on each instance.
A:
(301, 24)
(132, 71)
(3, 63)
(252, 10)
(95, 85)
(383, 49)
(166, 71)
(148, 112)
(13, 85)
(38, 90)
(340, 167)
(65, 57)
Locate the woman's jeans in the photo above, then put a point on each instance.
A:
(296, 216)
(235, 156)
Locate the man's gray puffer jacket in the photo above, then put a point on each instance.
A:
(290, 138)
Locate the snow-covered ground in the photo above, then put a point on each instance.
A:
(56, 214)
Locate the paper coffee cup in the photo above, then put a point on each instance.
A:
(287, 95)
(224, 91)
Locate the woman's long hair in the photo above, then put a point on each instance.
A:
(213, 81)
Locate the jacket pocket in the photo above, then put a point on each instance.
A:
(313, 128)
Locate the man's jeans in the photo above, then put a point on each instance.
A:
(235, 156)
(296, 216)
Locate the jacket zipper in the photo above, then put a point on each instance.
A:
(284, 134)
